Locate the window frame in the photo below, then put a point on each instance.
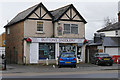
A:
(40, 31)
(70, 28)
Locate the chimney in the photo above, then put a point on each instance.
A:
(98, 37)
(119, 16)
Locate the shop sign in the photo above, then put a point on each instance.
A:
(57, 40)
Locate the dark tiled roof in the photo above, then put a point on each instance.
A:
(22, 15)
(55, 14)
(58, 12)
(115, 26)
(111, 41)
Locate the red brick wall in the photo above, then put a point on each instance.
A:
(14, 45)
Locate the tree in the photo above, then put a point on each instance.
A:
(108, 21)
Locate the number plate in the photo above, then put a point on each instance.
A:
(106, 59)
(67, 62)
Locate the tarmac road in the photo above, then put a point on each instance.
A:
(82, 71)
(82, 74)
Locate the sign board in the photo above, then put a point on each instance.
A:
(57, 40)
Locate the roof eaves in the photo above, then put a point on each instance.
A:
(79, 14)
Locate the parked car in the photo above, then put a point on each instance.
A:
(67, 59)
(102, 58)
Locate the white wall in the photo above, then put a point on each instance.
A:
(111, 50)
(34, 54)
(111, 33)
(119, 32)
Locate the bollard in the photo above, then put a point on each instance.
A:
(47, 61)
(56, 61)
(77, 60)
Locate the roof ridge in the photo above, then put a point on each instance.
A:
(28, 8)
(61, 7)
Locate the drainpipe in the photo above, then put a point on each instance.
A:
(23, 51)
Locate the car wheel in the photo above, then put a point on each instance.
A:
(74, 66)
(110, 64)
(59, 66)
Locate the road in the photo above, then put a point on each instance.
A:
(82, 71)
(82, 74)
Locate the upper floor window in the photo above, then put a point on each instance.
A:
(39, 26)
(74, 29)
(116, 32)
(8, 30)
(70, 29)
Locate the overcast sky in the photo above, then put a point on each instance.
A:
(94, 11)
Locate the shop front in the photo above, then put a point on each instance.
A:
(50, 48)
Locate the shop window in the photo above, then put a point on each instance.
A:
(67, 48)
(70, 29)
(39, 26)
(46, 50)
(79, 53)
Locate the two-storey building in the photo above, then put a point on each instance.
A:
(36, 34)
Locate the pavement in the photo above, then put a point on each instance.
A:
(17, 68)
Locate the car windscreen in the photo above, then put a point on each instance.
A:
(104, 55)
(67, 55)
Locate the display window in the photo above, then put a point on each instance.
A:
(46, 50)
(79, 51)
(67, 48)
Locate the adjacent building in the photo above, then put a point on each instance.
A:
(36, 34)
(111, 41)
(2, 44)
(107, 40)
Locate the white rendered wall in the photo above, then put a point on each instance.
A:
(111, 51)
(111, 33)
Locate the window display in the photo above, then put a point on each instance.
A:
(79, 51)
(67, 48)
(46, 50)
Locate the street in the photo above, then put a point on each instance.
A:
(40, 71)
(82, 74)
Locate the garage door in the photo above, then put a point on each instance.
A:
(111, 51)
